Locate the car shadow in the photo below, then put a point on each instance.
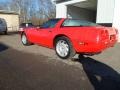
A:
(101, 76)
(3, 47)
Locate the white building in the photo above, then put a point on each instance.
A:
(12, 20)
(105, 12)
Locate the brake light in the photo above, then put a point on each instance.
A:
(116, 31)
(104, 35)
(117, 34)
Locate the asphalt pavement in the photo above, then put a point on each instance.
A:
(38, 68)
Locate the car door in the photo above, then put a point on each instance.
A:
(44, 35)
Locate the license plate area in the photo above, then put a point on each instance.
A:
(112, 37)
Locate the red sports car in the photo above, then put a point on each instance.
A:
(71, 36)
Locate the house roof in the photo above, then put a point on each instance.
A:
(8, 12)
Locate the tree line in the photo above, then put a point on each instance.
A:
(35, 11)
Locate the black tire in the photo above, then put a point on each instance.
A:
(26, 42)
(81, 56)
(5, 32)
(71, 51)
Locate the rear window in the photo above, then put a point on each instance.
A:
(77, 23)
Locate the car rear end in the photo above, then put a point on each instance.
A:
(96, 39)
(88, 37)
(108, 37)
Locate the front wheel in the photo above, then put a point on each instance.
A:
(5, 32)
(25, 40)
(64, 48)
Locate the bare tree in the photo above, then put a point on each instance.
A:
(33, 9)
(5, 6)
(47, 8)
(22, 7)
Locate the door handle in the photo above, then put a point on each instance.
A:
(50, 31)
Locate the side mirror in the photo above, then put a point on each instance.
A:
(38, 27)
(44, 26)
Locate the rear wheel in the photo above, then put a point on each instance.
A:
(64, 48)
(5, 32)
(81, 56)
(25, 40)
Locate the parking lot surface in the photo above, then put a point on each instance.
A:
(38, 68)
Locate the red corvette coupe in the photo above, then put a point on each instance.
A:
(71, 36)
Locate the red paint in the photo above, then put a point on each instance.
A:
(84, 39)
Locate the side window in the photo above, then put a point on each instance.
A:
(77, 23)
(71, 23)
(45, 25)
(50, 24)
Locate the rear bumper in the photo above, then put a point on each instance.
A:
(94, 48)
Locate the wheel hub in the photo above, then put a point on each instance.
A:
(62, 48)
(24, 39)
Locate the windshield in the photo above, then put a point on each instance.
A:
(71, 22)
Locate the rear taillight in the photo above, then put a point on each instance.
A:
(116, 34)
(116, 31)
(104, 35)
